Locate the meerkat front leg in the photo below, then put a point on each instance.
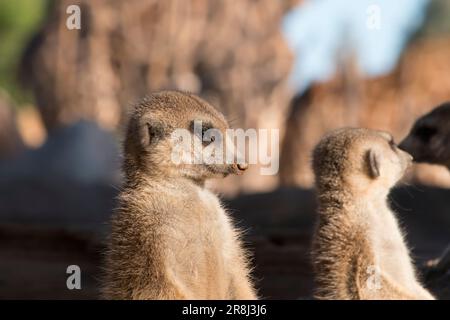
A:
(241, 287)
(382, 287)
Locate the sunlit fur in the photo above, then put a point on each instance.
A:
(170, 237)
(358, 248)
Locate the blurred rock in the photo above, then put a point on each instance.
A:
(125, 49)
(239, 62)
(81, 153)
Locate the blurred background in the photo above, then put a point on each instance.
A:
(303, 67)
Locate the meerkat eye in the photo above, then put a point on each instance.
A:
(205, 134)
(208, 136)
(425, 133)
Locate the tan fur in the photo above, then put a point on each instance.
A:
(429, 139)
(170, 237)
(358, 249)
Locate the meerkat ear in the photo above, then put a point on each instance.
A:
(150, 132)
(373, 162)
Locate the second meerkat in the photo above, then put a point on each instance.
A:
(429, 138)
(358, 248)
(171, 238)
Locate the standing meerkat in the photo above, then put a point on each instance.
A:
(429, 139)
(170, 237)
(358, 249)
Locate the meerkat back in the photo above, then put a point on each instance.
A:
(170, 237)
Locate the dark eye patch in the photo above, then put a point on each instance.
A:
(206, 138)
(155, 131)
(425, 133)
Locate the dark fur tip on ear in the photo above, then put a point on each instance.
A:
(373, 162)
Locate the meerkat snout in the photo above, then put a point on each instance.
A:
(242, 166)
(385, 160)
(429, 138)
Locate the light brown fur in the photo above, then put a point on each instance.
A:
(170, 237)
(429, 138)
(358, 249)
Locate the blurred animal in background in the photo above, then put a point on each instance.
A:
(429, 138)
(122, 51)
(358, 248)
(125, 49)
(170, 237)
(80, 153)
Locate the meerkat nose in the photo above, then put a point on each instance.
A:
(242, 166)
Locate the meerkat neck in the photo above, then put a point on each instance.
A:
(149, 180)
(139, 175)
(343, 197)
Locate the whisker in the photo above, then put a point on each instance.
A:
(399, 206)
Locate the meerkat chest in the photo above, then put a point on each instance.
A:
(218, 239)
(221, 233)
(215, 216)
(392, 255)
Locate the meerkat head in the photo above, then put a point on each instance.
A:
(359, 160)
(429, 138)
(167, 121)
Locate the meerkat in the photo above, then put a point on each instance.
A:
(358, 249)
(429, 142)
(170, 236)
(429, 138)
